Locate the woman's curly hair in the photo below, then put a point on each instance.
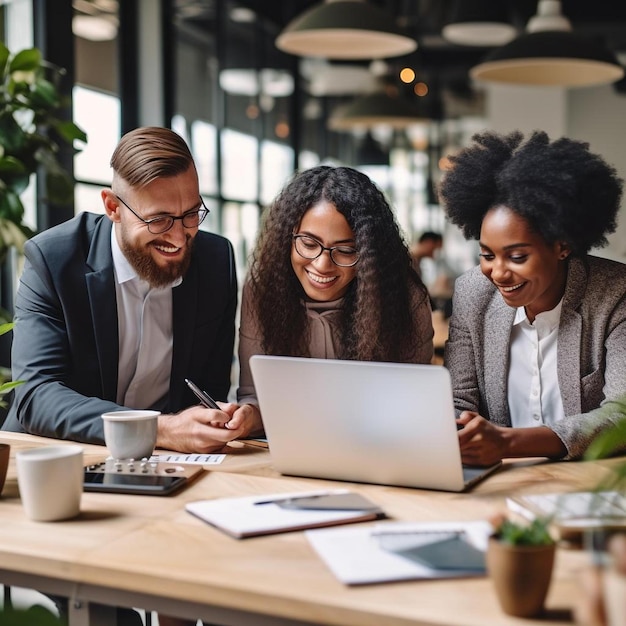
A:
(564, 191)
(377, 317)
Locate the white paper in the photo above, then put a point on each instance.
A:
(355, 557)
(191, 459)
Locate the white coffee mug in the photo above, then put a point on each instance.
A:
(50, 481)
(130, 434)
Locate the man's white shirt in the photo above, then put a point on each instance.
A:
(144, 317)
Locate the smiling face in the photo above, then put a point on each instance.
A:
(526, 270)
(158, 259)
(320, 278)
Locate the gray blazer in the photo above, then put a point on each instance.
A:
(591, 353)
(65, 342)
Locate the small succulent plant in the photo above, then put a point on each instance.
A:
(535, 533)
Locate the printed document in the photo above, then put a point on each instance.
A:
(356, 555)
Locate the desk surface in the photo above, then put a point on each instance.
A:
(147, 551)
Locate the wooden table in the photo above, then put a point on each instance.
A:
(146, 551)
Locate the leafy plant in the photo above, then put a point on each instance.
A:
(535, 533)
(35, 615)
(32, 131)
(609, 442)
(6, 384)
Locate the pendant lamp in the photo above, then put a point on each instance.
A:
(550, 54)
(345, 29)
(377, 108)
(479, 23)
(371, 152)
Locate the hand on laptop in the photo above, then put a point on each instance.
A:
(482, 443)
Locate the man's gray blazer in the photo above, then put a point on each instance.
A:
(591, 352)
(65, 341)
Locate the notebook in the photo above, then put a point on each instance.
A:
(382, 423)
(250, 516)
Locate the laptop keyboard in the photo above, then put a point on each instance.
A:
(472, 474)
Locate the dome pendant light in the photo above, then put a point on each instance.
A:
(549, 54)
(375, 109)
(479, 23)
(345, 29)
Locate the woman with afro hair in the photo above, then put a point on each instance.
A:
(537, 343)
(331, 278)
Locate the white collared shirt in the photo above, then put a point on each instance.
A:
(144, 317)
(533, 386)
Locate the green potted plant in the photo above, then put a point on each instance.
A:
(535, 533)
(520, 558)
(32, 132)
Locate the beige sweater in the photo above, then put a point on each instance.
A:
(325, 342)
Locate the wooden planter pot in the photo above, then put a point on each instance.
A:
(521, 576)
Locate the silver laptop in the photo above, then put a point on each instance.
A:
(383, 423)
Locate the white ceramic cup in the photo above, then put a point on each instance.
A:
(130, 434)
(50, 481)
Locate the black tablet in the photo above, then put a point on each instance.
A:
(142, 484)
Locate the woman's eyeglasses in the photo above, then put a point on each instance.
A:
(309, 248)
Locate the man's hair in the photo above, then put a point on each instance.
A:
(430, 235)
(148, 153)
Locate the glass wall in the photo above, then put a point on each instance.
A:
(95, 99)
(232, 100)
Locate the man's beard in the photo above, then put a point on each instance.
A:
(155, 275)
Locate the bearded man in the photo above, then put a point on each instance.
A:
(114, 311)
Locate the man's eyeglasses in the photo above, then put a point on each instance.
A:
(162, 223)
(309, 248)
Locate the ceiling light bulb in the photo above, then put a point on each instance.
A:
(548, 17)
(407, 75)
(94, 27)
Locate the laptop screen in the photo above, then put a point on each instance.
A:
(384, 423)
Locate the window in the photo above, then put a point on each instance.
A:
(240, 173)
(98, 114)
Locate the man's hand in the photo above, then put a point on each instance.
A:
(243, 417)
(197, 429)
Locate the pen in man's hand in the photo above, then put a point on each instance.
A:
(203, 396)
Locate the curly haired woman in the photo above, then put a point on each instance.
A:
(330, 278)
(537, 344)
